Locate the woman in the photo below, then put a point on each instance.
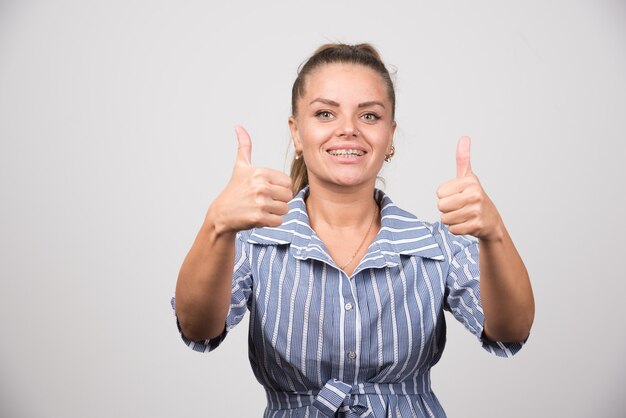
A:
(346, 291)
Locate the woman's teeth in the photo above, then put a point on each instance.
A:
(346, 152)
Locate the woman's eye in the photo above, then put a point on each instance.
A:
(371, 117)
(323, 114)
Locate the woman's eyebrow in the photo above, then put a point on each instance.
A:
(372, 103)
(325, 101)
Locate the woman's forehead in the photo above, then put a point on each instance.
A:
(345, 79)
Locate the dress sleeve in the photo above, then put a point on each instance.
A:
(240, 294)
(463, 291)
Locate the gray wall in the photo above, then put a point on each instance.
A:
(116, 131)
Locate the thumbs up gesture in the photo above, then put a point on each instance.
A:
(254, 197)
(464, 205)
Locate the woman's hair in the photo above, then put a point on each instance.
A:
(361, 54)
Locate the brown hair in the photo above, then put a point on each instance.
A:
(360, 54)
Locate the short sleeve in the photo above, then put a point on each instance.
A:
(463, 291)
(240, 294)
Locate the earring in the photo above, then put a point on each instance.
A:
(392, 152)
(298, 156)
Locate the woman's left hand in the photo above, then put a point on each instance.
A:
(464, 205)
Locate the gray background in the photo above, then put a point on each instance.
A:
(116, 131)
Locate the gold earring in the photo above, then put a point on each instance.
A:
(392, 152)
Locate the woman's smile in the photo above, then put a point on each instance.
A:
(346, 154)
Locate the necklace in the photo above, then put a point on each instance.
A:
(362, 241)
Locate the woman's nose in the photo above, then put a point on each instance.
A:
(348, 130)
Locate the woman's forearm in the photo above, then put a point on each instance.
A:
(505, 289)
(203, 289)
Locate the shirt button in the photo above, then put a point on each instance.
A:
(348, 306)
(351, 355)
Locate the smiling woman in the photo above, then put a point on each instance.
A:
(343, 126)
(346, 61)
(346, 291)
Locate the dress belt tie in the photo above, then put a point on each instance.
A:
(336, 394)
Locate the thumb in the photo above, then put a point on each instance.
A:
(463, 166)
(244, 146)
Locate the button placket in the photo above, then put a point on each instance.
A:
(352, 334)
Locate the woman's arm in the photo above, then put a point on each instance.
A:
(253, 198)
(203, 288)
(506, 293)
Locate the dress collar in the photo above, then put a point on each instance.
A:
(401, 233)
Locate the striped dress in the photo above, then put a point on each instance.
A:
(325, 344)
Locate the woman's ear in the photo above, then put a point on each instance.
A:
(295, 135)
(394, 125)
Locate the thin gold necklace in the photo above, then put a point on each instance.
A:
(363, 241)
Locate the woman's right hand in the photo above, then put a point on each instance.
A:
(254, 197)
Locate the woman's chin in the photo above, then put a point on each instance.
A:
(351, 182)
(347, 178)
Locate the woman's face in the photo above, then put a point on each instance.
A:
(344, 125)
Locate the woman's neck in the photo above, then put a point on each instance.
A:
(340, 208)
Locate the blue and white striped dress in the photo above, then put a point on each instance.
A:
(327, 345)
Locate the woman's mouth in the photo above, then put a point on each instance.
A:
(346, 152)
